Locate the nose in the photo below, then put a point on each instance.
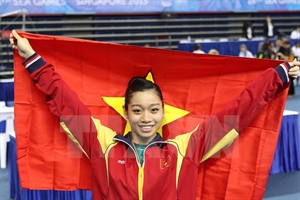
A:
(146, 117)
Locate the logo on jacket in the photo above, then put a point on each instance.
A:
(164, 163)
(122, 162)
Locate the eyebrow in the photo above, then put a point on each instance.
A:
(154, 104)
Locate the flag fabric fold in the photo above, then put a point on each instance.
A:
(197, 83)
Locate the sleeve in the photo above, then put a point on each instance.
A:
(265, 30)
(237, 115)
(75, 118)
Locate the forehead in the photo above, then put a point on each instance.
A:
(145, 97)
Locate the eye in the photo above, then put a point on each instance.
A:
(136, 111)
(154, 110)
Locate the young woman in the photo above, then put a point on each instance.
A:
(139, 164)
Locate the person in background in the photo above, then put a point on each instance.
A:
(275, 48)
(270, 30)
(285, 52)
(244, 52)
(295, 34)
(278, 43)
(266, 51)
(296, 50)
(198, 49)
(213, 52)
(247, 31)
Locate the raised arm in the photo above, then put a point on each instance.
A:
(75, 118)
(241, 111)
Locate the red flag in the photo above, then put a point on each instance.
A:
(198, 84)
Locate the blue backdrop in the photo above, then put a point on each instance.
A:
(130, 6)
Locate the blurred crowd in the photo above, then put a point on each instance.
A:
(275, 46)
(280, 49)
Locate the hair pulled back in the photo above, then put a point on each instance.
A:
(140, 84)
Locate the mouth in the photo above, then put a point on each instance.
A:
(146, 128)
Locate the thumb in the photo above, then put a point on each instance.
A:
(16, 35)
(294, 63)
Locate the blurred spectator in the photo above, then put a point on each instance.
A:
(146, 45)
(278, 44)
(244, 52)
(276, 47)
(273, 47)
(214, 52)
(285, 52)
(296, 53)
(270, 30)
(198, 49)
(247, 31)
(266, 51)
(295, 34)
(296, 50)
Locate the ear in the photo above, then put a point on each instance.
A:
(125, 112)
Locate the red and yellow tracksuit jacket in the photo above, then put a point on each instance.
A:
(169, 170)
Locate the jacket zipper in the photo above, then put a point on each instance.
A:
(141, 167)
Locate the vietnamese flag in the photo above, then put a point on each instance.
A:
(194, 85)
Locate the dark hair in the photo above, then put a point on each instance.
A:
(285, 42)
(140, 84)
(197, 47)
(265, 46)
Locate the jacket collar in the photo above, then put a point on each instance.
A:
(128, 140)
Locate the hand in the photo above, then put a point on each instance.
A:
(21, 44)
(294, 71)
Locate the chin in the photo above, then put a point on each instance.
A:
(147, 136)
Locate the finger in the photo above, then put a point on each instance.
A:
(11, 37)
(297, 71)
(13, 40)
(294, 63)
(292, 74)
(294, 69)
(14, 46)
(16, 35)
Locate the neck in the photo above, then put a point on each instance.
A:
(141, 140)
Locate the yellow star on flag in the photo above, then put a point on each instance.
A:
(171, 113)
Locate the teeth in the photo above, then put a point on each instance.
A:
(146, 126)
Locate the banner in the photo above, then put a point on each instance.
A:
(200, 84)
(132, 6)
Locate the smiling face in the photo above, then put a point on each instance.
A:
(145, 113)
